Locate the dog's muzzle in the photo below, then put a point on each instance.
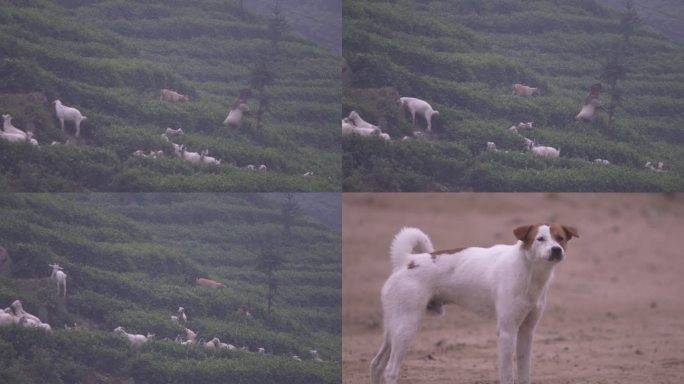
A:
(556, 254)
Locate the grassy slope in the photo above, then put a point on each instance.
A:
(463, 57)
(110, 58)
(130, 258)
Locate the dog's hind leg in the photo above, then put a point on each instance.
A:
(400, 339)
(379, 363)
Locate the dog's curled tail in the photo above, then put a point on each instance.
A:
(408, 241)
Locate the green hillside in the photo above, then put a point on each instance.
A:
(110, 59)
(131, 261)
(463, 56)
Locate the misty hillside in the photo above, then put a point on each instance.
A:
(318, 20)
(131, 261)
(665, 16)
(463, 56)
(110, 59)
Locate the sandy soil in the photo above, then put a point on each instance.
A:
(615, 311)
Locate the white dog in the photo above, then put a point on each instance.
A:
(505, 281)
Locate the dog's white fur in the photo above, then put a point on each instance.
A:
(505, 281)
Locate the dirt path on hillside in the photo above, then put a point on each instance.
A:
(615, 311)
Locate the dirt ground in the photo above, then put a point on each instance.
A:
(615, 310)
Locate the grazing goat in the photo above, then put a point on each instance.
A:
(524, 90)
(262, 168)
(208, 283)
(418, 106)
(491, 147)
(181, 315)
(602, 161)
(134, 339)
(652, 168)
(192, 157)
(213, 343)
(68, 114)
(385, 136)
(308, 174)
(237, 111)
(250, 167)
(172, 96)
(208, 159)
(542, 150)
(295, 357)
(591, 103)
(171, 131)
(59, 277)
(520, 125)
(261, 350)
(314, 355)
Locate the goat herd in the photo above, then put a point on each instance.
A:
(16, 315)
(355, 124)
(73, 116)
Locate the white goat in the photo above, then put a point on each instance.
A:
(347, 126)
(13, 134)
(31, 323)
(192, 157)
(261, 350)
(250, 167)
(524, 90)
(172, 96)
(418, 106)
(11, 129)
(59, 277)
(361, 123)
(18, 310)
(181, 315)
(262, 168)
(171, 131)
(190, 335)
(213, 343)
(308, 174)
(589, 109)
(237, 111)
(543, 151)
(491, 147)
(314, 355)
(8, 318)
(208, 159)
(602, 161)
(521, 125)
(136, 340)
(652, 168)
(385, 136)
(68, 114)
(295, 357)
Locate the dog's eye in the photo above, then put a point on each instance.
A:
(541, 238)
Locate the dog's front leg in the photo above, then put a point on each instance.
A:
(524, 346)
(506, 336)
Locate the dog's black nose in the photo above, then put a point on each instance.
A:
(556, 254)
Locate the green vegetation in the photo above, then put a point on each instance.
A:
(131, 260)
(110, 58)
(463, 56)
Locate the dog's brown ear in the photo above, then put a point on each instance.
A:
(522, 231)
(570, 231)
